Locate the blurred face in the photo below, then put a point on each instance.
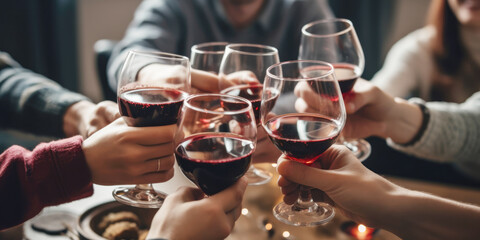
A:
(242, 12)
(466, 11)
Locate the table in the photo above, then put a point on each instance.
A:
(258, 222)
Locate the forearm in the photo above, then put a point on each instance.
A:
(417, 215)
(404, 123)
(51, 174)
(33, 103)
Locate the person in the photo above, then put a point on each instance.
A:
(64, 170)
(175, 26)
(187, 205)
(439, 62)
(440, 131)
(370, 199)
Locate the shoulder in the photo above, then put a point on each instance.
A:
(418, 39)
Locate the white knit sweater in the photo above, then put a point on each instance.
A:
(452, 135)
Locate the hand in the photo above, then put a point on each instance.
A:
(119, 154)
(238, 78)
(186, 214)
(85, 118)
(355, 191)
(203, 81)
(163, 75)
(372, 112)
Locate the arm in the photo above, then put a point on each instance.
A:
(63, 171)
(34, 103)
(26, 96)
(156, 27)
(368, 198)
(451, 134)
(407, 69)
(51, 174)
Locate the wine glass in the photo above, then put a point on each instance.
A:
(151, 90)
(215, 139)
(335, 41)
(207, 56)
(303, 136)
(242, 70)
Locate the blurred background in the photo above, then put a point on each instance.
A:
(56, 38)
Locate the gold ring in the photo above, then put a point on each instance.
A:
(158, 165)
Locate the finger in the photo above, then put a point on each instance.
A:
(361, 96)
(305, 92)
(158, 164)
(156, 177)
(156, 151)
(302, 106)
(305, 175)
(151, 135)
(186, 194)
(291, 198)
(229, 198)
(110, 111)
(235, 213)
(287, 186)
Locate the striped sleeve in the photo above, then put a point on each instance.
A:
(32, 102)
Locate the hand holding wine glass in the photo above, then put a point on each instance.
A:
(241, 72)
(335, 41)
(215, 140)
(205, 59)
(304, 136)
(151, 90)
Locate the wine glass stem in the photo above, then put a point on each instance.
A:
(305, 201)
(144, 186)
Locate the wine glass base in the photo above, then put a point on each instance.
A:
(139, 197)
(258, 176)
(359, 147)
(287, 214)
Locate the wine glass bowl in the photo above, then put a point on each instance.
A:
(303, 136)
(242, 72)
(151, 90)
(215, 140)
(207, 56)
(335, 41)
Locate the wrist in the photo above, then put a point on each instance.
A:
(72, 119)
(405, 123)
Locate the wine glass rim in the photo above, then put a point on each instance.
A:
(272, 50)
(197, 47)
(158, 54)
(271, 75)
(219, 95)
(308, 25)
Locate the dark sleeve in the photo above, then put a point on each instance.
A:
(32, 102)
(156, 26)
(51, 174)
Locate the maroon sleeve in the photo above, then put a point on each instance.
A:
(51, 174)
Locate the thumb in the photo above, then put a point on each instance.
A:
(305, 175)
(186, 194)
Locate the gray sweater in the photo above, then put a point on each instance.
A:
(452, 135)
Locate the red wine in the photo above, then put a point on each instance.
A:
(347, 75)
(253, 93)
(302, 137)
(151, 106)
(214, 161)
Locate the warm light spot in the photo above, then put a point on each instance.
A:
(362, 228)
(268, 226)
(274, 165)
(244, 211)
(286, 234)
